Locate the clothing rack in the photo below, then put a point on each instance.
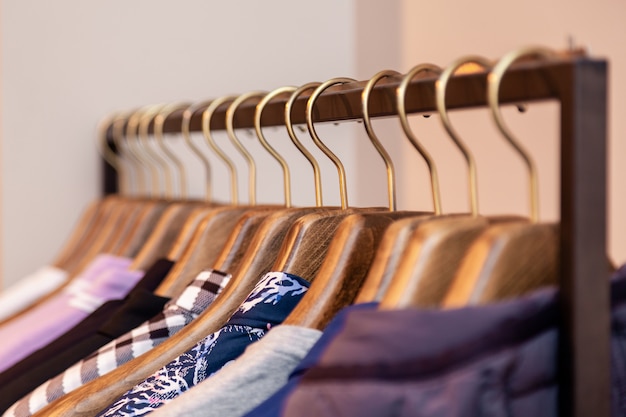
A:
(579, 84)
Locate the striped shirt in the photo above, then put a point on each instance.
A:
(177, 314)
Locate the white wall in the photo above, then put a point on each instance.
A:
(68, 63)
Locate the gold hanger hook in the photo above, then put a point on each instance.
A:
(441, 87)
(156, 160)
(130, 136)
(310, 105)
(159, 121)
(258, 113)
(292, 134)
(207, 115)
(365, 98)
(230, 121)
(186, 131)
(404, 121)
(117, 133)
(493, 90)
(105, 150)
(141, 151)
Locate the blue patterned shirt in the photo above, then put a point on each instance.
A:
(269, 303)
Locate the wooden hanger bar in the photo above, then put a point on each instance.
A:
(580, 85)
(527, 81)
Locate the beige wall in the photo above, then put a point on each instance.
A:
(445, 30)
(66, 64)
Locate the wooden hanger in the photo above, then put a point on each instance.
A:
(271, 245)
(93, 229)
(96, 214)
(108, 213)
(180, 219)
(219, 224)
(434, 246)
(508, 259)
(91, 398)
(84, 230)
(122, 223)
(344, 268)
(353, 246)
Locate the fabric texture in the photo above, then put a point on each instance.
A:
(106, 278)
(492, 360)
(177, 313)
(271, 300)
(274, 404)
(249, 380)
(30, 289)
(84, 338)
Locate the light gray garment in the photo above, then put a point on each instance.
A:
(249, 380)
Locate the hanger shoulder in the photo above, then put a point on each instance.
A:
(235, 248)
(128, 225)
(170, 225)
(187, 232)
(265, 248)
(141, 230)
(114, 224)
(343, 270)
(87, 224)
(387, 256)
(506, 260)
(431, 258)
(91, 398)
(202, 250)
(305, 245)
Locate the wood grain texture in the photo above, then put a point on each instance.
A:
(387, 257)
(115, 228)
(91, 398)
(507, 260)
(88, 222)
(234, 250)
(179, 245)
(430, 260)
(144, 226)
(343, 270)
(203, 249)
(306, 244)
(164, 235)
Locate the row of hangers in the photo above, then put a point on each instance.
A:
(349, 254)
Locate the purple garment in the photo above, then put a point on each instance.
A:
(494, 360)
(106, 278)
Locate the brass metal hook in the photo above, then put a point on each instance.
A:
(494, 81)
(317, 178)
(230, 117)
(207, 115)
(401, 98)
(159, 122)
(365, 97)
(128, 164)
(258, 113)
(107, 153)
(130, 136)
(310, 105)
(441, 87)
(186, 131)
(156, 160)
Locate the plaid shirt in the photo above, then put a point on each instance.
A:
(176, 315)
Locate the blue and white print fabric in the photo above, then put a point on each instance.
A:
(269, 303)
